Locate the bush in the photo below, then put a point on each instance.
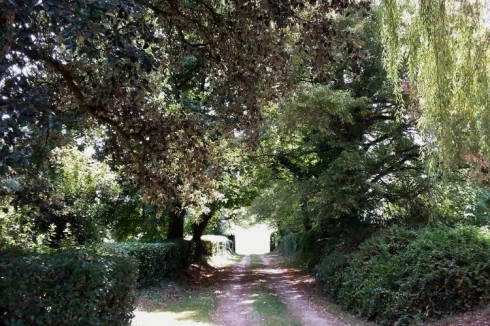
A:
(66, 288)
(157, 261)
(307, 245)
(311, 244)
(329, 270)
(403, 277)
(290, 244)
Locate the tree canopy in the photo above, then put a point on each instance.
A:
(356, 129)
(327, 109)
(164, 78)
(438, 52)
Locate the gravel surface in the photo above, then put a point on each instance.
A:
(299, 306)
(235, 304)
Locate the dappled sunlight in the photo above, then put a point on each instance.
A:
(183, 318)
(271, 271)
(220, 261)
(282, 283)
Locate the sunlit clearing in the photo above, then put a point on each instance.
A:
(219, 261)
(184, 318)
(254, 240)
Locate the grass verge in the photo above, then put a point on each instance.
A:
(189, 300)
(174, 304)
(271, 310)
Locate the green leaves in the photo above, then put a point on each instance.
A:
(439, 50)
(157, 261)
(79, 287)
(319, 107)
(168, 80)
(405, 276)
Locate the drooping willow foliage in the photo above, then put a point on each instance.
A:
(438, 51)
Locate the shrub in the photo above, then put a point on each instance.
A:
(290, 244)
(157, 261)
(329, 270)
(312, 244)
(66, 288)
(402, 277)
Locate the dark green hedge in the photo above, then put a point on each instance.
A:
(157, 261)
(335, 260)
(66, 288)
(290, 244)
(404, 277)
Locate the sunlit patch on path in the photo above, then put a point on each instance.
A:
(235, 303)
(254, 291)
(184, 318)
(298, 305)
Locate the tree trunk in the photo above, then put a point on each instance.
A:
(305, 216)
(176, 222)
(199, 228)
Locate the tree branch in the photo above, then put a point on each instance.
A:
(61, 70)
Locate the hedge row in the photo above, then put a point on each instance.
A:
(66, 288)
(84, 287)
(157, 261)
(404, 277)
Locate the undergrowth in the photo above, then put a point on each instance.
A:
(403, 276)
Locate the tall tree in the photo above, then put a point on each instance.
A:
(339, 152)
(163, 78)
(445, 44)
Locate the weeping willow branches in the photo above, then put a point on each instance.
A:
(439, 52)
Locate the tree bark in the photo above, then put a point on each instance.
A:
(199, 228)
(305, 216)
(176, 222)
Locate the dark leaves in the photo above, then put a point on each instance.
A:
(155, 73)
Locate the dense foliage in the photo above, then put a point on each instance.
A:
(437, 52)
(66, 287)
(78, 198)
(156, 261)
(357, 128)
(404, 277)
(164, 78)
(339, 156)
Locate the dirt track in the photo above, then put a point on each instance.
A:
(247, 293)
(235, 304)
(234, 298)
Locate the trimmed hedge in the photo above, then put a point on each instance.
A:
(403, 277)
(157, 261)
(66, 288)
